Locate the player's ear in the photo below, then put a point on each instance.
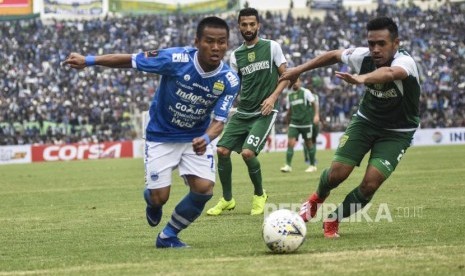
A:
(397, 43)
(196, 42)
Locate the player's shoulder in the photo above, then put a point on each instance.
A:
(185, 49)
(306, 90)
(227, 68)
(403, 54)
(240, 48)
(403, 59)
(179, 51)
(355, 55)
(231, 76)
(356, 52)
(273, 42)
(270, 42)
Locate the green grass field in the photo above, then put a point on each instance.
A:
(88, 217)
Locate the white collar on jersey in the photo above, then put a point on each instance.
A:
(202, 73)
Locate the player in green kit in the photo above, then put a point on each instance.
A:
(259, 63)
(384, 124)
(311, 153)
(302, 115)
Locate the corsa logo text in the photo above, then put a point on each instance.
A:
(81, 151)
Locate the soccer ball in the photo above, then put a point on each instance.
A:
(284, 231)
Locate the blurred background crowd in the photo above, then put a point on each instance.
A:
(44, 102)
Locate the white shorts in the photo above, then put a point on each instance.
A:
(162, 158)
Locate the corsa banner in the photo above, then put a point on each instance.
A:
(81, 151)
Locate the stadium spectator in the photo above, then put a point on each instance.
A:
(195, 84)
(36, 93)
(384, 124)
(259, 63)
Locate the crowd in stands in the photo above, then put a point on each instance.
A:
(44, 102)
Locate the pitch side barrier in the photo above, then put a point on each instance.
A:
(21, 154)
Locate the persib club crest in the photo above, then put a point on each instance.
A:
(251, 56)
(218, 88)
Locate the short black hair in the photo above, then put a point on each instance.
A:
(383, 23)
(248, 12)
(211, 21)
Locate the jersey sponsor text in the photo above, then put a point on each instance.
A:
(249, 69)
(192, 98)
(391, 93)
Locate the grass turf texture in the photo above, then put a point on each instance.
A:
(87, 217)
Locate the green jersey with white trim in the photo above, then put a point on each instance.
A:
(392, 105)
(300, 105)
(257, 67)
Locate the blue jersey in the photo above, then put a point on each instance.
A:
(187, 96)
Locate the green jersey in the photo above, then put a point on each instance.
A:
(257, 67)
(301, 108)
(393, 105)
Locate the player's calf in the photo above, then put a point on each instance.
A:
(152, 213)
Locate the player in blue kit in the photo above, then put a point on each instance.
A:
(188, 110)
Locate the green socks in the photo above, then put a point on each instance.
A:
(255, 174)
(224, 172)
(311, 155)
(323, 187)
(289, 155)
(355, 199)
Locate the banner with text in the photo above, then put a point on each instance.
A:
(15, 7)
(73, 7)
(82, 151)
(15, 154)
(169, 7)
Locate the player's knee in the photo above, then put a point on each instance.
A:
(291, 143)
(371, 181)
(223, 152)
(204, 188)
(158, 198)
(338, 173)
(309, 144)
(379, 169)
(247, 154)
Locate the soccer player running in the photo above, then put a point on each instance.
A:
(259, 63)
(195, 83)
(302, 115)
(384, 124)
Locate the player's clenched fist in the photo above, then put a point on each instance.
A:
(76, 61)
(199, 145)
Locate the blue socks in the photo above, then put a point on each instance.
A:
(187, 210)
